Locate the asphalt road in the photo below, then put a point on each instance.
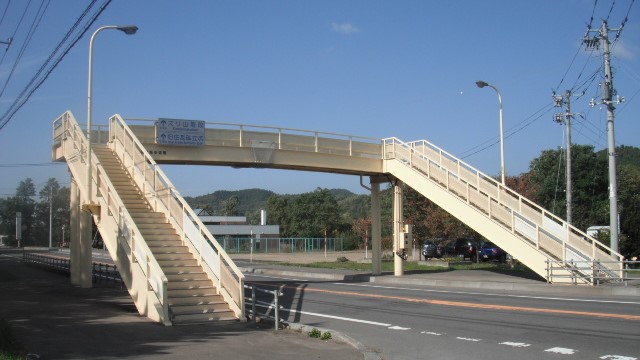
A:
(416, 322)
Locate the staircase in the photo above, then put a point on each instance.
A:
(174, 269)
(191, 294)
(540, 240)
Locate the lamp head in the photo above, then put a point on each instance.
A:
(129, 30)
(481, 83)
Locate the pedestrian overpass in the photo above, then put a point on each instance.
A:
(177, 272)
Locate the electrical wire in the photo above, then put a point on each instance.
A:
(30, 165)
(16, 30)
(624, 22)
(21, 100)
(523, 124)
(4, 13)
(613, 3)
(32, 30)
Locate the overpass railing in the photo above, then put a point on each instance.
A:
(163, 197)
(264, 138)
(520, 215)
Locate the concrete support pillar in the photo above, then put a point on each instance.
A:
(376, 230)
(74, 232)
(398, 228)
(80, 244)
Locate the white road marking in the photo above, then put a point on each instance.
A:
(468, 339)
(489, 294)
(430, 333)
(515, 344)
(563, 351)
(617, 357)
(398, 328)
(337, 317)
(280, 278)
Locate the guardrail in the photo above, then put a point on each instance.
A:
(592, 271)
(102, 272)
(520, 215)
(163, 197)
(274, 305)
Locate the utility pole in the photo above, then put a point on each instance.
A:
(565, 117)
(607, 99)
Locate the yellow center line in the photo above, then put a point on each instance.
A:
(466, 304)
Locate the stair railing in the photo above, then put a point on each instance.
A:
(164, 197)
(67, 132)
(520, 215)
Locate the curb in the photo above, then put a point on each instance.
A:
(477, 285)
(368, 354)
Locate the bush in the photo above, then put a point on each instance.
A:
(326, 336)
(342, 259)
(315, 333)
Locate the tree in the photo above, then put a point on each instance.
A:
(231, 206)
(590, 184)
(278, 210)
(315, 214)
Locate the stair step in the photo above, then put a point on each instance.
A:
(168, 264)
(188, 284)
(157, 231)
(201, 318)
(186, 276)
(199, 308)
(168, 249)
(197, 292)
(173, 257)
(196, 300)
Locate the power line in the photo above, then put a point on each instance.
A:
(21, 100)
(30, 165)
(32, 30)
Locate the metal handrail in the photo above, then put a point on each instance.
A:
(153, 272)
(195, 233)
(275, 305)
(591, 272)
(278, 129)
(390, 151)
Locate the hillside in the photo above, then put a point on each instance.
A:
(251, 201)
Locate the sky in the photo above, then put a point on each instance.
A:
(404, 69)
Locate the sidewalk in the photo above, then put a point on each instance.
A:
(462, 279)
(55, 320)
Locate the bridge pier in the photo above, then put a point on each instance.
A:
(398, 227)
(80, 240)
(376, 229)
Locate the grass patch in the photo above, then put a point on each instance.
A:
(10, 348)
(517, 270)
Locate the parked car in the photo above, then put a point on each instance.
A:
(466, 248)
(490, 252)
(431, 250)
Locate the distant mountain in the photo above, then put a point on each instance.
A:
(251, 201)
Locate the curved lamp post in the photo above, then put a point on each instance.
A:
(129, 30)
(482, 84)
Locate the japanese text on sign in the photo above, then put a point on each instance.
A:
(180, 132)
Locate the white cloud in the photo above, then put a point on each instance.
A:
(344, 28)
(622, 50)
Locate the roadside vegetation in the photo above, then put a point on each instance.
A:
(10, 348)
(514, 269)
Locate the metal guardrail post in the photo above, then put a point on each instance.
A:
(276, 294)
(253, 303)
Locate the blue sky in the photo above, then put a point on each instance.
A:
(370, 68)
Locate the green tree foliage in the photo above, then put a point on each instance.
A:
(35, 214)
(589, 174)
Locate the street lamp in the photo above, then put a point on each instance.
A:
(482, 84)
(129, 30)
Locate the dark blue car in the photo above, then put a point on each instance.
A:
(490, 252)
